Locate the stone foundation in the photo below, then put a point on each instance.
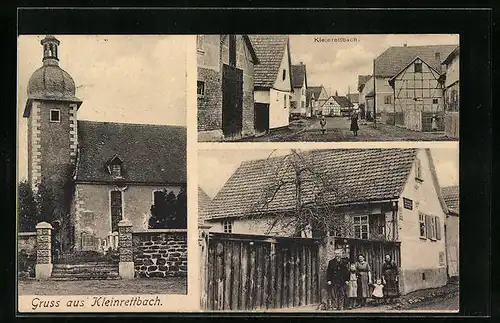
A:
(213, 135)
(160, 253)
(413, 279)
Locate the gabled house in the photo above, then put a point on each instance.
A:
(452, 229)
(337, 106)
(451, 79)
(225, 85)
(317, 97)
(273, 82)
(97, 173)
(382, 201)
(391, 62)
(298, 105)
(417, 97)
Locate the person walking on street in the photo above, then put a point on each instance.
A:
(390, 279)
(364, 279)
(322, 123)
(337, 276)
(354, 124)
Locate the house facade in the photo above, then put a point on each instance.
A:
(418, 97)
(98, 173)
(299, 105)
(273, 82)
(390, 63)
(318, 97)
(452, 93)
(331, 108)
(225, 87)
(452, 230)
(396, 208)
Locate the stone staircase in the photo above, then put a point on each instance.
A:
(85, 271)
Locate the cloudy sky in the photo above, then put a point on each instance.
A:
(226, 162)
(131, 79)
(337, 64)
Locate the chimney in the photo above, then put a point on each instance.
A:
(438, 61)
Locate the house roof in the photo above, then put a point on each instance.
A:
(316, 91)
(394, 59)
(452, 55)
(451, 198)
(362, 79)
(343, 101)
(203, 202)
(150, 153)
(353, 97)
(298, 75)
(359, 175)
(270, 50)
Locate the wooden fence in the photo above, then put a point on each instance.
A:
(451, 124)
(245, 272)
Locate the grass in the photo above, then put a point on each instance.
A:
(171, 285)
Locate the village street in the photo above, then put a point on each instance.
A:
(338, 129)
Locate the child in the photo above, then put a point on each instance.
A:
(352, 286)
(434, 123)
(378, 294)
(323, 124)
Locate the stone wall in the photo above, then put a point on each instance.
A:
(160, 253)
(26, 241)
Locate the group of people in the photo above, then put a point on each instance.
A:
(351, 284)
(354, 124)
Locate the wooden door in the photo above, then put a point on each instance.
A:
(261, 117)
(232, 101)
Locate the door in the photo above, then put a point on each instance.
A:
(232, 101)
(261, 117)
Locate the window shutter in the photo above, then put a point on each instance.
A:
(438, 228)
(428, 226)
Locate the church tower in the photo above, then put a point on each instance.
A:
(51, 110)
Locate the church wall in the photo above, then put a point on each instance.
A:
(93, 209)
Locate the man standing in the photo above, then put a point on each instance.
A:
(337, 276)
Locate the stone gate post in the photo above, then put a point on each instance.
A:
(126, 265)
(43, 267)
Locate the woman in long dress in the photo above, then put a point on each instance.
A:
(364, 279)
(354, 124)
(390, 279)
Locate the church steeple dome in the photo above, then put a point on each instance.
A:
(50, 50)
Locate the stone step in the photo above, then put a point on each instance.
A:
(85, 265)
(85, 271)
(85, 277)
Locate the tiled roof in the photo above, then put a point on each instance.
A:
(315, 91)
(343, 101)
(270, 50)
(353, 97)
(362, 79)
(451, 56)
(298, 75)
(451, 198)
(203, 200)
(150, 153)
(357, 175)
(394, 59)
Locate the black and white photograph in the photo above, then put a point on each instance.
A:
(328, 88)
(311, 230)
(102, 178)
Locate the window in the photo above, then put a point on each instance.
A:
(284, 75)
(200, 43)
(421, 221)
(441, 258)
(200, 88)
(388, 99)
(303, 91)
(407, 203)
(227, 226)
(432, 227)
(434, 101)
(361, 227)
(418, 67)
(418, 169)
(284, 101)
(116, 209)
(116, 170)
(302, 104)
(55, 115)
(232, 50)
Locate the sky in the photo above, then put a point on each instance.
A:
(226, 161)
(119, 78)
(337, 64)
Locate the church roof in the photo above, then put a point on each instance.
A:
(151, 154)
